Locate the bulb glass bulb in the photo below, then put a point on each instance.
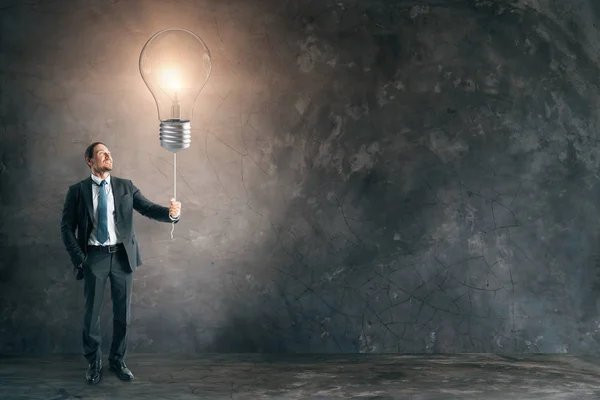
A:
(175, 65)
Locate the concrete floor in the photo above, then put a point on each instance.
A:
(262, 376)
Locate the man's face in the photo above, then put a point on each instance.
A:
(102, 159)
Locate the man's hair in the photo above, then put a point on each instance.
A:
(89, 152)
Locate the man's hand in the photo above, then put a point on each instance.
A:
(174, 208)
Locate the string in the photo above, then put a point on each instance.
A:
(174, 187)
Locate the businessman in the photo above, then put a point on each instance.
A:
(100, 208)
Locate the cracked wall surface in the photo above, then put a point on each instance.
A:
(364, 176)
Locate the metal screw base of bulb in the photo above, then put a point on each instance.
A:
(175, 135)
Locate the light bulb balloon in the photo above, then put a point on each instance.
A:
(175, 65)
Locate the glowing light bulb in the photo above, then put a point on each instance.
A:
(175, 65)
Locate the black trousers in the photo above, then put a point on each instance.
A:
(97, 269)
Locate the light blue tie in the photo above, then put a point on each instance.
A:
(102, 214)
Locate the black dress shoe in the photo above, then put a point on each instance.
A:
(92, 376)
(121, 369)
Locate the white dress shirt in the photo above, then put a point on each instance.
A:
(113, 235)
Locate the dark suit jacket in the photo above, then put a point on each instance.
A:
(77, 216)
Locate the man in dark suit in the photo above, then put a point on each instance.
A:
(100, 208)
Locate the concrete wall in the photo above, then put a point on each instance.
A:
(364, 176)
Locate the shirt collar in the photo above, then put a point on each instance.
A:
(98, 180)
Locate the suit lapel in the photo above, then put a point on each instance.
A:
(117, 189)
(87, 196)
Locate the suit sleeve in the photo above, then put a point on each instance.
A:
(68, 225)
(149, 209)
